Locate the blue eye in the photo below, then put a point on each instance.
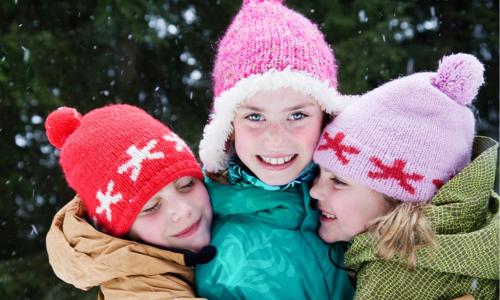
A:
(254, 117)
(297, 116)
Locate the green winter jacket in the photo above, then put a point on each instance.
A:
(267, 247)
(464, 215)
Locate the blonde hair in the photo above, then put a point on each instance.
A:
(402, 231)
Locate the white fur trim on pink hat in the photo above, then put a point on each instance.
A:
(215, 134)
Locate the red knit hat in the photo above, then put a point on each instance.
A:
(116, 158)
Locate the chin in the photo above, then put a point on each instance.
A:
(277, 179)
(197, 248)
(327, 238)
(200, 243)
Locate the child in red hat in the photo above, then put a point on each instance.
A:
(141, 187)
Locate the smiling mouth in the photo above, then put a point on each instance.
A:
(189, 230)
(327, 217)
(277, 161)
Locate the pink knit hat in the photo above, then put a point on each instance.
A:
(116, 158)
(267, 46)
(408, 137)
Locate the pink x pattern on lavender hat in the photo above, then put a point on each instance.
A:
(408, 137)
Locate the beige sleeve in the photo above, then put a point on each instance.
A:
(147, 287)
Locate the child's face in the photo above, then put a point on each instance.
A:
(346, 207)
(275, 134)
(178, 216)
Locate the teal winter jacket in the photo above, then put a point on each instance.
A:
(267, 246)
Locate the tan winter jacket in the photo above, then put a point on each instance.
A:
(85, 257)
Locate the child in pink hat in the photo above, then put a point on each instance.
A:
(383, 159)
(141, 187)
(274, 82)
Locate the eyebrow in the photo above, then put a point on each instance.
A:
(249, 107)
(300, 106)
(296, 107)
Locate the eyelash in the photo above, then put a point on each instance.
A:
(337, 181)
(186, 186)
(152, 208)
(296, 116)
(302, 116)
(250, 117)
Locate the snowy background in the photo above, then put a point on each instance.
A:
(158, 55)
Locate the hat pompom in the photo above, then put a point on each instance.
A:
(246, 2)
(459, 76)
(60, 124)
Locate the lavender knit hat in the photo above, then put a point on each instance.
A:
(266, 47)
(408, 137)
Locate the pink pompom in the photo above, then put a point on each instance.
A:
(459, 76)
(245, 2)
(60, 124)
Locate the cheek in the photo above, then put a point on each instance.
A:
(378, 206)
(308, 135)
(366, 211)
(342, 205)
(244, 138)
(349, 208)
(202, 200)
(149, 228)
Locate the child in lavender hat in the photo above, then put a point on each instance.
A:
(393, 181)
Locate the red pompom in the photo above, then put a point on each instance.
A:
(60, 124)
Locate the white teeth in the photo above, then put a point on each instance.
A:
(277, 161)
(329, 216)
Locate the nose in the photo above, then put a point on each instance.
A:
(317, 191)
(180, 210)
(276, 136)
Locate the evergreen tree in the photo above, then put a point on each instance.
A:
(158, 55)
